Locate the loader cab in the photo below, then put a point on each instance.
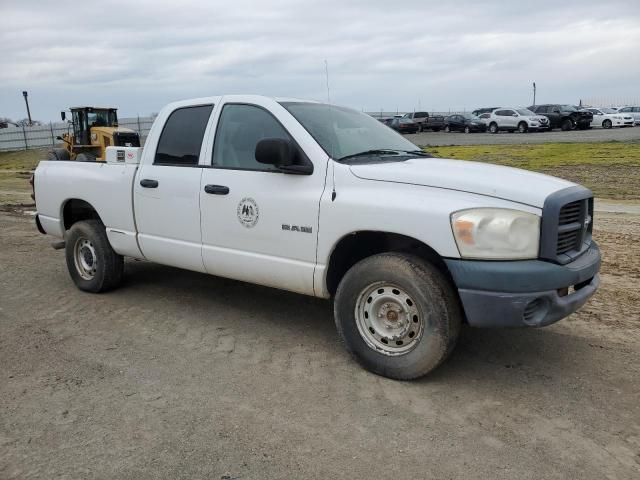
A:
(85, 118)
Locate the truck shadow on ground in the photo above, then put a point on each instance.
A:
(527, 355)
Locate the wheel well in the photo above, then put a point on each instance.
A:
(360, 245)
(76, 210)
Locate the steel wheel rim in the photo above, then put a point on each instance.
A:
(388, 319)
(85, 258)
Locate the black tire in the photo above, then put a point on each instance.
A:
(523, 127)
(607, 124)
(434, 299)
(58, 154)
(447, 129)
(85, 157)
(493, 127)
(108, 266)
(467, 129)
(566, 125)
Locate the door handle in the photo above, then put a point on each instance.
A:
(147, 183)
(216, 189)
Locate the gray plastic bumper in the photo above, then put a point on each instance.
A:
(524, 293)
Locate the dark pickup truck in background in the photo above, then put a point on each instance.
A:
(565, 117)
(426, 121)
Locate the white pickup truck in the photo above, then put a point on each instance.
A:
(327, 201)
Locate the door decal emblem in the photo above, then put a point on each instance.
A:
(248, 212)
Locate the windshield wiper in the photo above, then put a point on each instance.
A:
(368, 153)
(420, 153)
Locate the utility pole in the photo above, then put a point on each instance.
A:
(534, 94)
(26, 100)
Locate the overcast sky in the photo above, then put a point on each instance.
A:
(139, 55)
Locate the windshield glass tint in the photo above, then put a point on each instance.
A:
(342, 131)
(525, 112)
(569, 108)
(608, 110)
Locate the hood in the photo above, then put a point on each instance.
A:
(506, 183)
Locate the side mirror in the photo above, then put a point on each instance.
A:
(282, 154)
(58, 137)
(63, 116)
(514, 114)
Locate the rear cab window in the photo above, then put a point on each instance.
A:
(181, 138)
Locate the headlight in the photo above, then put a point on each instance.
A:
(496, 233)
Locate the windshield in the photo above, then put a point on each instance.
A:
(342, 131)
(608, 110)
(469, 116)
(102, 118)
(525, 112)
(569, 108)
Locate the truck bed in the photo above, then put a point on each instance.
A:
(107, 187)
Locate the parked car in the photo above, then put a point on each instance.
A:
(609, 118)
(565, 117)
(480, 111)
(464, 122)
(633, 111)
(426, 121)
(404, 125)
(407, 247)
(512, 119)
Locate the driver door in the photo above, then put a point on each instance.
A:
(258, 223)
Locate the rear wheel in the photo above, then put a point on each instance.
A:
(523, 127)
(566, 125)
(92, 263)
(607, 124)
(493, 127)
(58, 154)
(397, 315)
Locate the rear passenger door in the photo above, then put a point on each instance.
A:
(258, 223)
(554, 115)
(167, 191)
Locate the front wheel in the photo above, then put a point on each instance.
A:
(397, 315)
(92, 263)
(566, 125)
(523, 127)
(607, 124)
(447, 129)
(493, 128)
(467, 130)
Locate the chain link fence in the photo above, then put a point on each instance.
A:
(41, 136)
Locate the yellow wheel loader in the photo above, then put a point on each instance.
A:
(94, 129)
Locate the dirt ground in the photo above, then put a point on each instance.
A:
(182, 375)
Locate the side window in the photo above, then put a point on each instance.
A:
(181, 137)
(636, 109)
(240, 128)
(625, 109)
(501, 113)
(421, 114)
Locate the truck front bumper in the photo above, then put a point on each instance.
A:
(524, 293)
